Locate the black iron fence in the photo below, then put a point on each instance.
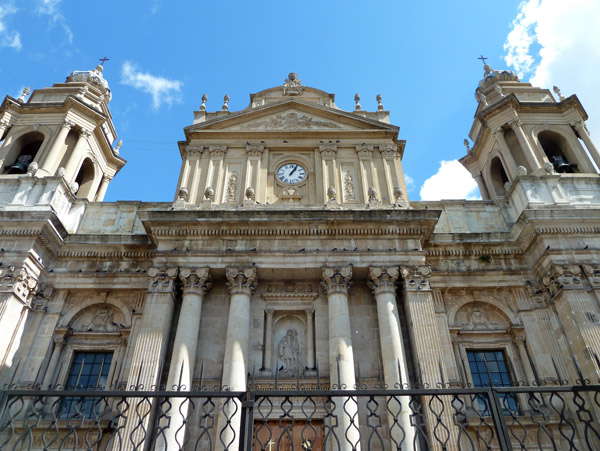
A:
(304, 417)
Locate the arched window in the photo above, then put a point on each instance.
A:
(85, 178)
(498, 176)
(23, 152)
(558, 152)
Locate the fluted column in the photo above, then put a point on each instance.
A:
(336, 282)
(587, 140)
(75, 157)
(53, 157)
(530, 155)
(427, 345)
(181, 372)
(395, 370)
(241, 285)
(150, 351)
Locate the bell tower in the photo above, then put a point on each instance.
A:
(63, 131)
(520, 129)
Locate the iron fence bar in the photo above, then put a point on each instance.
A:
(247, 432)
(499, 421)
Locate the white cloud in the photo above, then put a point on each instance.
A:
(410, 182)
(161, 89)
(8, 37)
(51, 8)
(555, 42)
(452, 181)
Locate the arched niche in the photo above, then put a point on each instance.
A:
(85, 178)
(23, 152)
(465, 302)
(289, 343)
(558, 151)
(119, 311)
(498, 176)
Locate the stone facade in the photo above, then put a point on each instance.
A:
(291, 247)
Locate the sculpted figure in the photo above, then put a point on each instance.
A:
(289, 350)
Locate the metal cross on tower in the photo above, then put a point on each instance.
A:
(482, 58)
(104, 60)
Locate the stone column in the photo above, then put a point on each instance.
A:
(103, 187)
(328, 153)
(530, 155)
(75, 157)
(587, 140)
(509, 159)
(214, 177)
(389, 154)
(310, 339)
(365, 159)
(52, 160)
(48, 381)
(17, 285)
(241, 285)
(268, 364)
(520, 342)
(427, 348)
(336, 283)
(485, 194)
(149, 352)
(395, 370)
(181, 371)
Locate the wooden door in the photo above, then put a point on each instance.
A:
(301, 436)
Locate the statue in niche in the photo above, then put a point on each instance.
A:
(289, 351)
(102, 321)
(478, 320)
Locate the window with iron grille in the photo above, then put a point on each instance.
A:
(489, 368)
(89, 371)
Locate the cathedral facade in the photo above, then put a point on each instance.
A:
(291, 252)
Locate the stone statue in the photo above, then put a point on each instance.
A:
(249, 193)
(183, 193)
(292, 86)
(372, 192)
(357, 100)
(331, 194)
(289, 350)
(209, 194)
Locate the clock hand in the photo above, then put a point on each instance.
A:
(293, 170)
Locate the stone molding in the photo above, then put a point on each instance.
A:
(195, 280)
(337, 279)
(388, 150)
(364, 150)
(162, 280)
(383, 279)
(253, 150)
(194, 150)
(18, 281)
(416, 278)
(217, 151)
(328, 150)
(240, 280)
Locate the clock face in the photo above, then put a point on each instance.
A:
(291, 173)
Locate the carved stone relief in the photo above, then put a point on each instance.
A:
(99, 318)
(289, 351)
(479, 317)
(349, 193)
(231, 188)
(289, 121)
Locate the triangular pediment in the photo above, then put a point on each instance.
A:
(291, 116)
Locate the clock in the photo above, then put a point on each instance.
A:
(291, 173)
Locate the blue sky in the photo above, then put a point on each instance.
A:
(420, 56)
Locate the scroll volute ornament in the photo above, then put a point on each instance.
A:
(561, 277)
(416, 277)
(337, 279)
(241, 279)
(18, 281)
(195, 280)
(162, 279)
(383, 279)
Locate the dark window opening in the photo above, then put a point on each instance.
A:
(27, 147)
(499, 177)
(490, 369)
(89, 371)
(556, 149)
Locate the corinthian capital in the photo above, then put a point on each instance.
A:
(383, 279)
(195, 280)
(68, 124)
(337, 279)
(240, 280)
(515, 123)
(19, 282)
(416, 277)
(162, 279)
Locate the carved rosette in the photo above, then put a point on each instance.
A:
(195, 280)
(416, 277)
(240, 280)
(18, 281)
(162, 279)
(383, 279)
(337, 279)
(562, 277)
